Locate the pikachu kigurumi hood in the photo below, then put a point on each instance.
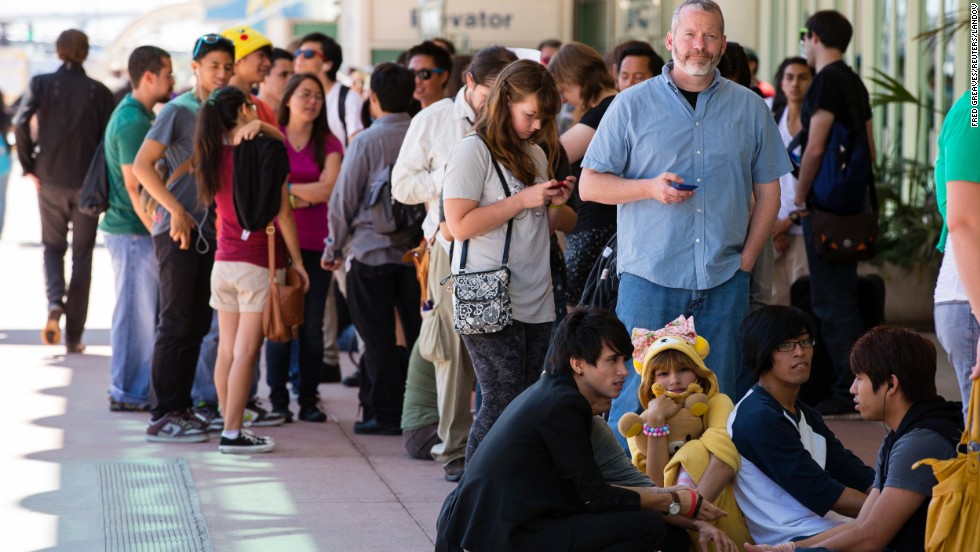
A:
(681, 336)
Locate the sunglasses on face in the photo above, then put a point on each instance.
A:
(804, 32)
(210, 39)
(308, 53)
(426, 74)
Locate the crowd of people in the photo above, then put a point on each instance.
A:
(697, 174)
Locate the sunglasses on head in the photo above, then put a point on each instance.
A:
(426, 74)
(210, 39)
(308, 53)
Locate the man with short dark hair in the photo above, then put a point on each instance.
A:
(72, 111)
(836, 95)
(184, 243)
(321, 55)
(126, 230)
(548, 48)
(377, 278)
(636, 63)
(274, 85)
(534, 482)
(432, 66)
(895, 383)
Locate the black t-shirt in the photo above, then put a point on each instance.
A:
(832, 90)
(592, 215)
(691, 97)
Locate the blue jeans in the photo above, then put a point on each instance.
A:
(718, 314)
(958, 332)
(833, 297)
(134, 318)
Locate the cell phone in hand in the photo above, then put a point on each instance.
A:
(562, 184)
(683, 187)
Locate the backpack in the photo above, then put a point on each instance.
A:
(602, 285)
(261, 168)
(94, 197)
(845, 176)
(400, 222)
(342, 110)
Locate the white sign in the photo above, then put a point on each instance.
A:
(477, 22)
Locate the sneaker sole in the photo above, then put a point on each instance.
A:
(202, 438)
(51, 334)
(255, 449)
(264, 423)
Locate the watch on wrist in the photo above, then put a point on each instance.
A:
(794, 217)
(675, 506)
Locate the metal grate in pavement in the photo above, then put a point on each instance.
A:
(151, 505)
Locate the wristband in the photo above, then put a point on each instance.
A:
(559, 206)
(697, 509)
(292, 201)
(695, 503)
(656, 431)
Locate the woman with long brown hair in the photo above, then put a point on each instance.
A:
(583, 82)
(519, 114)
(314, 163)
(239, 279)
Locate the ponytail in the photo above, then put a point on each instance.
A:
(218, 116)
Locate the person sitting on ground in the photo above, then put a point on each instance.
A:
(796, 477)
(673, 357)
(536, 464)
(895, 383)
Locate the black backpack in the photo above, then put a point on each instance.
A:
(261, 168)
(602, 285)
(400, 222)
(94, 197)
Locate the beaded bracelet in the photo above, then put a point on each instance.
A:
(656, 431)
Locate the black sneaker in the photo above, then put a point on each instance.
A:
(353, 380)
(372, 427)
(210, 416)
(286, 414)
(175, 427)
(454, 469)
(312, 413)
(246, 443)
(256, 416)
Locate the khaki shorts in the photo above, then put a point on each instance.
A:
(240, 287)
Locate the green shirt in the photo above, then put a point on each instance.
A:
(421, 406)
(959, 143)
(123, 137)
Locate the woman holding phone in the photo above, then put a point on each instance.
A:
(519, 114)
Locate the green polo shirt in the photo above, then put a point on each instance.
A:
(959, 143)
(124, 135)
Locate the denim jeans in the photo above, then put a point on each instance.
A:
(4, 178)
(718, 314)
(834, 299)
(185, 316)
(958, 332)
(59, 210)
(135, 316)
(278, 355)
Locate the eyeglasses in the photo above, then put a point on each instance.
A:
(791, 345)
(306, 95)
(804, 32)
(426, 74)
(211, 39)
(308, 53)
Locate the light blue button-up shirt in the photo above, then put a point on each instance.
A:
(724, 146)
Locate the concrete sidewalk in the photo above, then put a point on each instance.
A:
(322, 489)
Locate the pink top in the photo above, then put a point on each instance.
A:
(311, 222)
(254, 249)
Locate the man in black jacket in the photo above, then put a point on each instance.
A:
(72, 112)
(534, 483)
